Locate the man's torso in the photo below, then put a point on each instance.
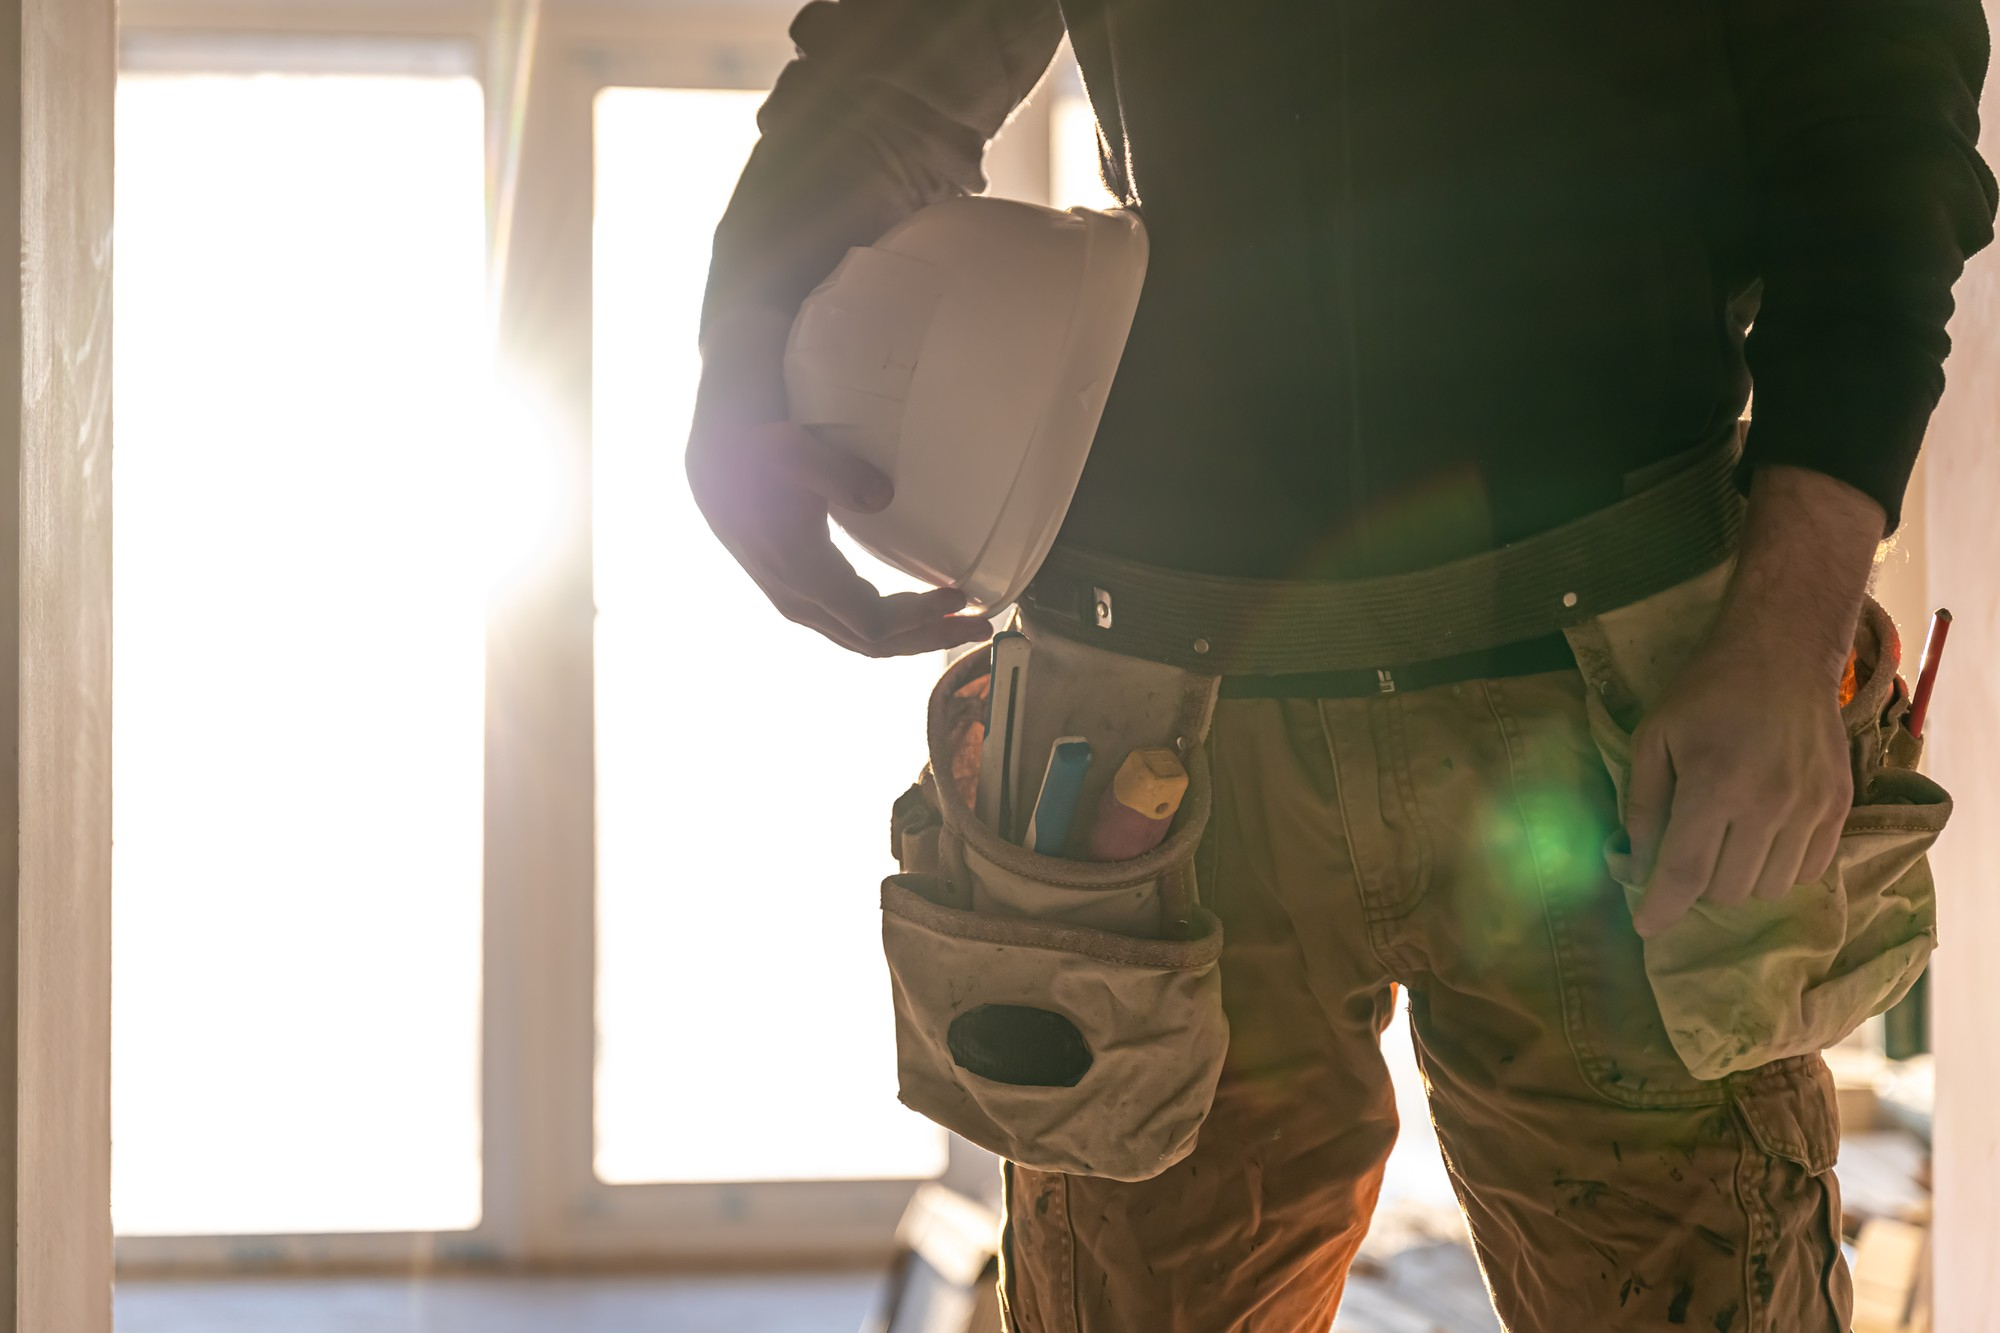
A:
(1424, 279)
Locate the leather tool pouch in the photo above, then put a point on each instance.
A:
(1743, 985)
(1064, 1014)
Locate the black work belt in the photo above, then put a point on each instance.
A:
(1467, 609)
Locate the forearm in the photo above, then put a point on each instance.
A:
(1809, 543)
(1861, 119)
(742, 367)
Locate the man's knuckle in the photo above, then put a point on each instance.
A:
(1676, 872)
(1704, 768)
(1730, 891)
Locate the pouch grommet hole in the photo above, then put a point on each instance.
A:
(1019, 1045)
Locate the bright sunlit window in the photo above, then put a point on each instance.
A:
(745, 767)
(299, 653)
(1075, 181)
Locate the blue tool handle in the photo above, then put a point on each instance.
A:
(1062, 788)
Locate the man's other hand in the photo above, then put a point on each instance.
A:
(1741, 778)
(1740, 783)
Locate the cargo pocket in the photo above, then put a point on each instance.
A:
(1066, 1015)
(1744, 985)
(1791, 1139)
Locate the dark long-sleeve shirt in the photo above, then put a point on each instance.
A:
(1427, 278)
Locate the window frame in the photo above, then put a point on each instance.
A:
(541, 67)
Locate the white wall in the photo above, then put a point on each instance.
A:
(1962, 562)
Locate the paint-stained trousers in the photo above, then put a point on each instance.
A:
(1448, 840)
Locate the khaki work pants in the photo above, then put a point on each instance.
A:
(1449, 840)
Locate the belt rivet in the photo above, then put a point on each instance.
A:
(1569, 599)
(1101, 601)
(1201, 645)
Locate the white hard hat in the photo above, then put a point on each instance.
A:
(967, 354)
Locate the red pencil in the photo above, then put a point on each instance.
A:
(1920, 700)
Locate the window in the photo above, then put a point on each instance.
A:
(299, 624)
(744, 766)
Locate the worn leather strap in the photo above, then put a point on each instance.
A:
(1675, 529)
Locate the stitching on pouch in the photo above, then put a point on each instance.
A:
(1207, 861)
(1194, 954)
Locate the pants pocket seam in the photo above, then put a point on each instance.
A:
(1010, 1266)
(1406, 791)
(1069, 1261)
(1766, 1157)
(1379, 941)
(1752, 1168)
(1593, 1068)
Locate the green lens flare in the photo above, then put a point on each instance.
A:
(1547, 841)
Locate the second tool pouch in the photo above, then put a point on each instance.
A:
(1742, 985)
(1064, 1014)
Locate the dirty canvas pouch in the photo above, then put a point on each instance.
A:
(1740, 986)
(1064, 1014)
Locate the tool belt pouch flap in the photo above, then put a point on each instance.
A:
(1066, 1015)
(1742, 985)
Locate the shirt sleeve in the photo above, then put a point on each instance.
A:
(1862, 117)
(888, 106)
